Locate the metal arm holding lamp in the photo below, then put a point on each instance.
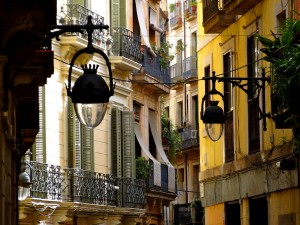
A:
(214, 116)
(90, 93)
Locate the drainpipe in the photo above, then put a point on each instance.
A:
(186, 179)
(184, 57)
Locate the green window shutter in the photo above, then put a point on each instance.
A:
(79, 2)
(128, 144)
(39, 147)
(123, 13)
(80, 142)
(118, 13)
(115, 19)
(70, 132)
(77, 139)
(116, 142)
(87, 140)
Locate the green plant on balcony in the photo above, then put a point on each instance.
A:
(193, 3)
(171, 134)
(179, 47)
(164, 52)
(143, 168)
(172, 7)
(283, 52)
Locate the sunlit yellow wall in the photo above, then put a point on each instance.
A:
(211, 49)
(214, 215)
(284, 203)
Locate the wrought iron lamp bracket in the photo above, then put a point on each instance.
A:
(259, 83)
(90, 49)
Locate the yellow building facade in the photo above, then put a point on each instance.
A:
(242, 180)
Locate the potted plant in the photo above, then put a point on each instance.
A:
(283, 52)
(193, 4)
(171, 7)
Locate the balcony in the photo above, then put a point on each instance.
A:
(239, 7)
(49, 182)
(176, 76)
(215, 19)
(162, 191)
(190, 68)
(190, 10)
(71, 14)
(155, 76)
(190, 137)
(125, 50)
(176, 17)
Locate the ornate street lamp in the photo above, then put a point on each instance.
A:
(214, 117)
(24, 182)
(90, 93)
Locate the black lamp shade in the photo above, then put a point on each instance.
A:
(90, 95)
(90, 87)
(213, 114)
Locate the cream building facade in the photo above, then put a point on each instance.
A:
(90, 176)
(181, 106)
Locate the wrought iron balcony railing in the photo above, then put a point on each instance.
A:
(126, 43)
(190, 67)
(164, 177)
(189, 136)
(175, 72)
(153, 67)
(77, 14)
(77, 185)
(176, 16)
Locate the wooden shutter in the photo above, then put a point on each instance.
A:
(229, 135)
(118, 13)
(87, 140)
(128, 144)
(39, 147)
(116, 142)
(79, 2)
(115, 19)
(77, 140)
(253, 100)
(70, 131)
(122, 13)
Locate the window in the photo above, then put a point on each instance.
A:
(136, 112)
(253, 100)
(180, 178)
(180, 114)
(229, 137)
(122, 143)
(207, 85)
(232, 213)
(258, 211)
(80, 142)
(195, 118)
(196, 182)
